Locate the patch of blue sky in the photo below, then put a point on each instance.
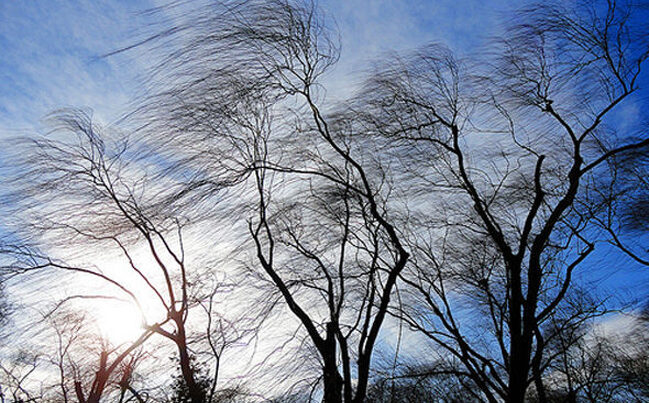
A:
(51, 58)
(369, 29)
(51, 50)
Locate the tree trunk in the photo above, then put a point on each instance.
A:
(333, 382)
(363, 378)
(195, 393)
(101, 378)
(537, 373)
(518, 371)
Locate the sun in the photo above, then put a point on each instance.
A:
(119, 322)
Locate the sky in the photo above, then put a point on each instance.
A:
(51, 56)
(52, 53)
(52, 50)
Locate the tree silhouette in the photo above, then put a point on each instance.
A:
(518, 143)
(458, 196)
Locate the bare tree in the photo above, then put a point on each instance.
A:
(600, 363)
(517, 143)
(244, 108)
(16, 373)
(621, 211)
(81, 192)
(475, 188)
(116, 371)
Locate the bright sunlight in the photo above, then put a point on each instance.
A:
(119, 322)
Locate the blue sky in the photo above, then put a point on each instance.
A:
(50, 57)
(51, 49)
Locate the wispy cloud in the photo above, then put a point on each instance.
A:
(51, 50)
(51, 58)
(370, 28)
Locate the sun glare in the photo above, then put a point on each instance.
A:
(119, 323)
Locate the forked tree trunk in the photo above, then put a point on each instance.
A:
(98, 385)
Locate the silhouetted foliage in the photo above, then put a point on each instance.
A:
(180, 390)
